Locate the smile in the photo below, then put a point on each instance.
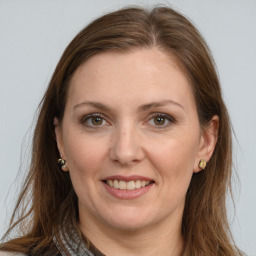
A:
(127, 185)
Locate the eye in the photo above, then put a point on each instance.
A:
(161, 120)
(94, 120)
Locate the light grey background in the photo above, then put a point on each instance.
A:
(33, 35)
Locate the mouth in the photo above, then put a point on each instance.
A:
(127, 185)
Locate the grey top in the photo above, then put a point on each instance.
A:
(71, 243)
(68, 243)
(11, 254)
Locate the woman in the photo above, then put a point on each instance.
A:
(132, 148)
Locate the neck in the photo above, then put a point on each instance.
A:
(161, 239)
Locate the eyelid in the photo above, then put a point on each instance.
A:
(88, 116)
(169, 118)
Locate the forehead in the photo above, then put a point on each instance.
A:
(137, 76)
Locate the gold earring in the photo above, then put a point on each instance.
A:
(62, 164)
(202, 164)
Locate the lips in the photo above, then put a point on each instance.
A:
(127, 187)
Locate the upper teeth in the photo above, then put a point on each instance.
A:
(129, 185)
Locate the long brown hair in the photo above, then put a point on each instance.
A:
(205, 226)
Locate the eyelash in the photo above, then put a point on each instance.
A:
(86, 118)
(167, 118)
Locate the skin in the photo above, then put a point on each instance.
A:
(130, 141)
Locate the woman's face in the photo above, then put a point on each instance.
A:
(131, 138)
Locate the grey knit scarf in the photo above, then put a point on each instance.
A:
(71, 243)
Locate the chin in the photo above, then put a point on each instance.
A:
(129, 219)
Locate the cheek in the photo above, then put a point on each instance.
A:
(174, 159)
(85, 158)
(84, 154)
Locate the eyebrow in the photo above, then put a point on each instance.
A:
(145, 107)
(160, 104)
(93, 104)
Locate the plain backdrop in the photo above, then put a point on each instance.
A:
(33, 35)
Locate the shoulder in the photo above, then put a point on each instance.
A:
(2, 253)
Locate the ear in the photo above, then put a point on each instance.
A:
(59, 139)
(208, 140)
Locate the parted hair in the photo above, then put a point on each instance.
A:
(47, 197)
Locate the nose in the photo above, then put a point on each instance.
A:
(126, 147)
